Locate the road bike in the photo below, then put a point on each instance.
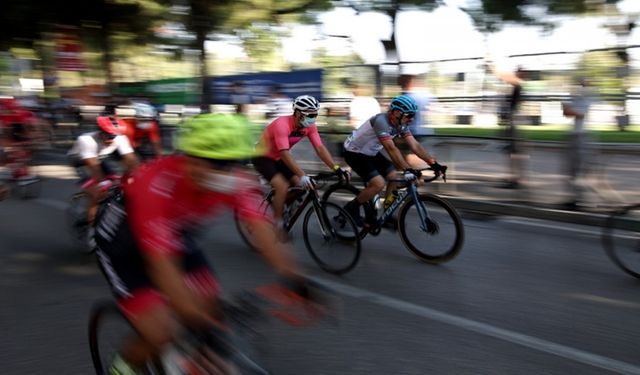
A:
(19, 174)
(621, 238)
(330, 234)
(238, 348)
(428, 225)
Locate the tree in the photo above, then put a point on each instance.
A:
(205, 17)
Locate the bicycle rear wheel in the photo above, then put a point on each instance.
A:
(332, 238)
(621, 239)
(444, 234)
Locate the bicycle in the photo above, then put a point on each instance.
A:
(326, 226)
(20, 174)
(432, 215)
(76, 214)
(621, 239)
(233, 350)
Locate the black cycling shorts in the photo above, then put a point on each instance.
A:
(268, 167)
(367, 167)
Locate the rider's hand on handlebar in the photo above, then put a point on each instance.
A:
(411, 174)
(306, 182)
(342, 174)
(439, 170)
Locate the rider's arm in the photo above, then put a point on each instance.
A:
(130, 161)
(276, 253)
(325, 156)
(420, 151)
(93, 164)
(167, 276)
(290, 162)
(394, 154)
(319, 147)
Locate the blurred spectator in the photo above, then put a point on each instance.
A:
(362, 106)
(579, 145)
(278, 103)
(409, 86)
(239, 97)
(507, 117)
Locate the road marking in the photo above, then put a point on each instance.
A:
(557, 226)
(604, 300)
(531, 342)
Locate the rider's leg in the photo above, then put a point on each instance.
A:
(280, 186)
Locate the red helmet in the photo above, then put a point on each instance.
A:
(109, 125)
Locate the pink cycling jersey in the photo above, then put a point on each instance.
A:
(282, 134)
(162, 202)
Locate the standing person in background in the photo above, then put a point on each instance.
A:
(409, 86)
(507, 117)
(278, 103)
(578, 141)
(362, 106)
(239, 97)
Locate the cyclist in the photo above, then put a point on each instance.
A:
(145, 239)
(362, 153)
(89, 153)
(143, 132)
(278, 165)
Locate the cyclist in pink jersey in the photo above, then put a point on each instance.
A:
(145, 243)
(277, 165)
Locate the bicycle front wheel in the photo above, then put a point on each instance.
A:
(331, 237)
(436, 240)
(245, 229)
(621, 239)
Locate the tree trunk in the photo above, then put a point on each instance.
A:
(105, 44)
(201, 36)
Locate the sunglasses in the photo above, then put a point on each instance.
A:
(310, 115)
(409, 115)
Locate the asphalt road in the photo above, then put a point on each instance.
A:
(523, 297)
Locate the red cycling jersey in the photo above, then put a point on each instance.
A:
(138, 131)
(282, 134)
(162, 202)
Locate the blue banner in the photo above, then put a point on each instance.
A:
(255, 87)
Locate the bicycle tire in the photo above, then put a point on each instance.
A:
(245, 232)
(446, 214)
(341, 194)
(347, 234)
(621, 239)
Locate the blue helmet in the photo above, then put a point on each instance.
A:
(403, 103)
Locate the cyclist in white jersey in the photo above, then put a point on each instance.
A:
(362, 152)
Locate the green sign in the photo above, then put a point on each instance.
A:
(163, 91)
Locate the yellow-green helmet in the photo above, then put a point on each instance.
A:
(217, 136)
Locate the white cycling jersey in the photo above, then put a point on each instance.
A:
(89, 145)
(366, 138)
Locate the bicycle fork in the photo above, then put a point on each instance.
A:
(427, 224)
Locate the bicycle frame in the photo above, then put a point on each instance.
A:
(411, 192)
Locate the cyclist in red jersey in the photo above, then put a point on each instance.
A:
(278, 165)
(143, 132)
(145, 236)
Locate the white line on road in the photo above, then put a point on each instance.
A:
(531, 342)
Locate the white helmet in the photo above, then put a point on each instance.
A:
(144, 111)
(306, 104)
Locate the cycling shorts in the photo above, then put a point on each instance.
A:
(368, 167)
(122, 263)
(85, 174)
(268, 167)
